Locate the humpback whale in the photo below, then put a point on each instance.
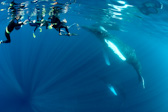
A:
(124, 52)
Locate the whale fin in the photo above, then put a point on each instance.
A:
(141, 80)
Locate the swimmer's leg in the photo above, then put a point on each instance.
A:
(66, 28)
(7, 37)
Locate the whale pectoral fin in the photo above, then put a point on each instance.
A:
(141, 79)
(106, 58)
(143, 83)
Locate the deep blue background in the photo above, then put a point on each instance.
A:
(53, 73)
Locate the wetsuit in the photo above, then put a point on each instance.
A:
(45, 23)
(39, 21)
(59, 24)
(38, 24)
(13, 24)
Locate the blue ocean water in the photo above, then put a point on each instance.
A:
(52, 73)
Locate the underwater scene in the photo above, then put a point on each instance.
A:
(83, 56)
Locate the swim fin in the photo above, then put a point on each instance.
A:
(34, 35)
(71, 34)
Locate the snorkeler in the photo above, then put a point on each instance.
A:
(14, 23)
(39, 21)
(58, 8)
(57, 24)
(55, 11)
(34, 23)
(38, 24)
(14, 8)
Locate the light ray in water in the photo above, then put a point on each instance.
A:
(119, 8)
(115, 13)
(121, 2)
(115, 49)
(112, 89)
(114, 16)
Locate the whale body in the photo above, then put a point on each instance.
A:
(124, 52)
